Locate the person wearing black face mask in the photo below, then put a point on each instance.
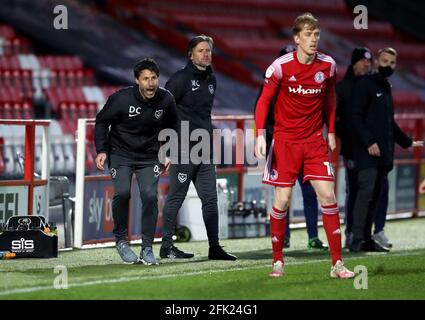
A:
(385, 71)
(374, 134)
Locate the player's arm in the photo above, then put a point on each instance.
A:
(104, 119)
(270, 87)
(330, 111)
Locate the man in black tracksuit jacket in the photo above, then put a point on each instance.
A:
(359, 66)
(193, 88)
(374, 134)
(135, 116)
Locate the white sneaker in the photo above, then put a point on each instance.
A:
(382, 239)
(340, 271)
(277, 269)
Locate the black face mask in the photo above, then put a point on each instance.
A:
(386, 71)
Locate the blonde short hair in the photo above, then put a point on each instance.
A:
(305, 19)
(198, 39)
(389, 50)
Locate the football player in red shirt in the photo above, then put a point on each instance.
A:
(305, 82)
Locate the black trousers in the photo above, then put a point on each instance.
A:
(370, 182)
(350, 195)
(147, 175)
(204, 179)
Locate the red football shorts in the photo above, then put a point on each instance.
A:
(286, 159)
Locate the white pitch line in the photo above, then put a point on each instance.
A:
(171, 275)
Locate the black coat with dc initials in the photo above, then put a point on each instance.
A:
(129, 126)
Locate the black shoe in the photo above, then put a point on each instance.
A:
(174, 253)
(287, 242)
(373, 246)
(217, 253)
(316, 243)
(356, 246)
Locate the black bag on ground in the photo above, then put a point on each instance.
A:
(29, 237)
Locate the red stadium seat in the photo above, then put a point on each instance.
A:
(92, 110)
(72, 111)
(79, 78)
(64, 125)
(89, 77)
(7, 32)
(17, 110)
(1, 156)
(27, 111)
(7, 111)
(407, 98)
(83, 110)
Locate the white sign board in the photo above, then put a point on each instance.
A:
(13, 201)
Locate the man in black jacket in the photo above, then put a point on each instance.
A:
(374, 135)
(360, 65)
(194, 88)
(135, 116)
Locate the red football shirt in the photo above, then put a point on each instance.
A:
(305, 97)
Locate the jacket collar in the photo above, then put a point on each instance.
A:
(191, 67)
(349, 74)
(378, 77)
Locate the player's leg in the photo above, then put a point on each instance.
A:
(121, 172)
(318, 170)
(147, 179)
(180, 178)
(205, 184)
(330, 216)
(278, 223)
(311, 213)
(282, 169)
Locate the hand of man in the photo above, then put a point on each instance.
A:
(260, 147)
(166, 166)
(100, 161)
(422, 187)
(419, 143)
(331, 141)
(374, 150)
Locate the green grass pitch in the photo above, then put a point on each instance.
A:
(99, 273)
